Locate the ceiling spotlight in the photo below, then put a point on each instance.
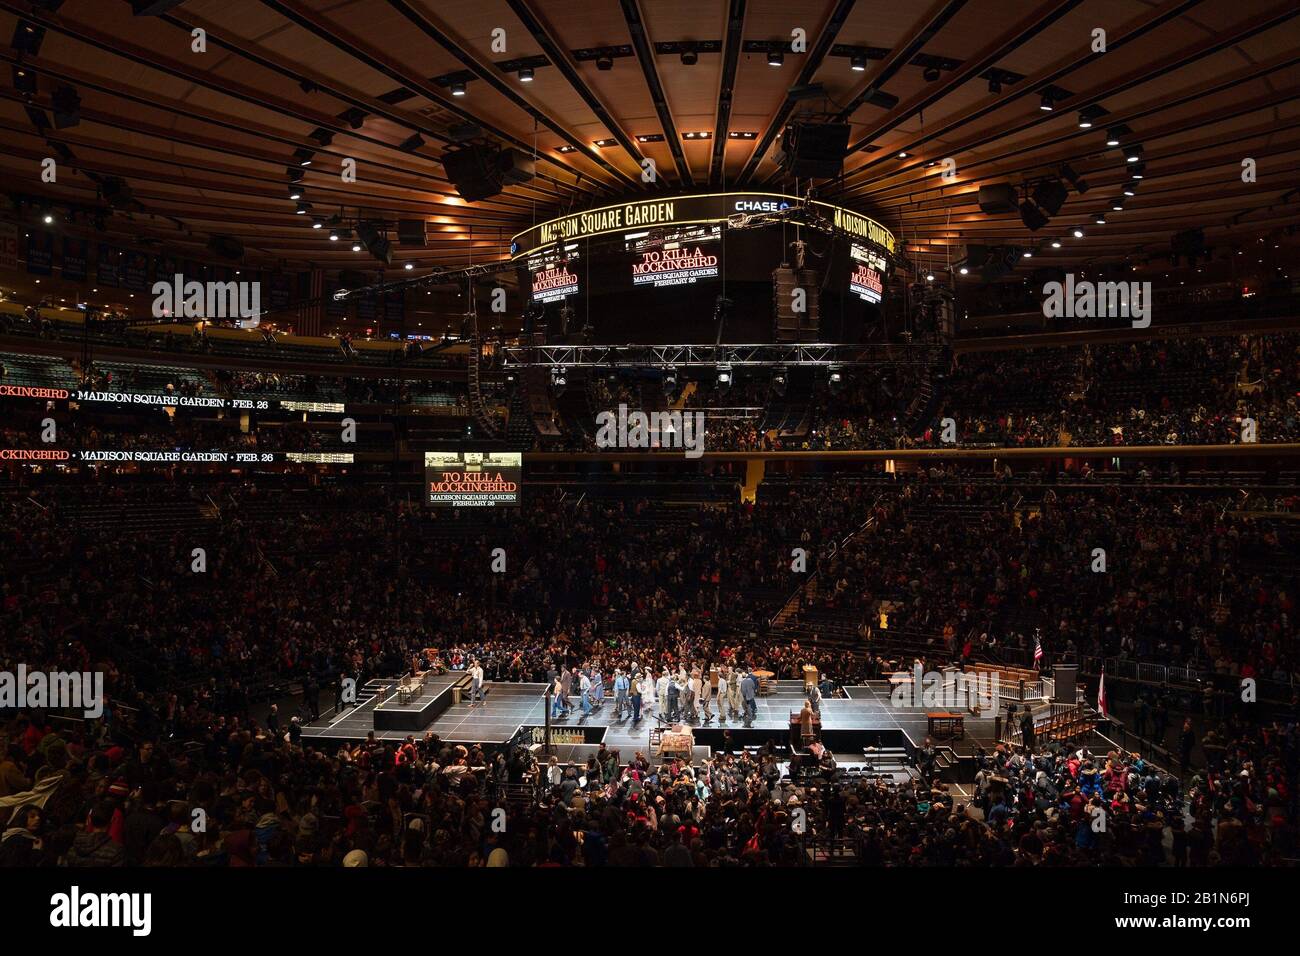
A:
(1056, 243)
(1100, 219)
(1132, 153)
(1089, 115)
(317, 223)
(334, 235)
(295, 192)
(409, 266)
(1046, 103)
(356, 247)
(302, 208)
(1115, 135)
(604, 63)
(1078, 233)
(690, 58)
(303, 156)
(293, 173)
(1117, 203)
(995, 85)
(525, 74)
(1137, 170)
(1026, 254)
(902, 154)
(963, 270)
(858, 62)
(1130, 189)
(775, 58)
(931, 73)
(47, 219)
(457, 88)
(929, 277)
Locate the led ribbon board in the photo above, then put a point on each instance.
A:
(681, 210)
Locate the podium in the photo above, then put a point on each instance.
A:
(1067, 679)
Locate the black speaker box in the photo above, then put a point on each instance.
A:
(227, 247)
(410, 232)
(998, 198)
(815, 150)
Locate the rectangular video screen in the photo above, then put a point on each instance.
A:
(552, 275)
(472, 479)
(867, 278)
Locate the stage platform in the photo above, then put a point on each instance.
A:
(866, 718)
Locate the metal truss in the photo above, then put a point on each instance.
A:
(736, 356)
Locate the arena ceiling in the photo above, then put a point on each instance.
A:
(204, 140)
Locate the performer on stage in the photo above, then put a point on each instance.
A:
(476, 683)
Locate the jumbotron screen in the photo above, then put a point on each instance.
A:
(472, 479)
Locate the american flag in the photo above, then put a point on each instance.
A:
(1038, 648)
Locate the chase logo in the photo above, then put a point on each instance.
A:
(760, 205)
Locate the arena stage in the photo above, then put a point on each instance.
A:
(516, 713)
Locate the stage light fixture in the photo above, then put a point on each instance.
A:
(458, 88)
(1117, 204)
(1046, 103)
(963, 270)
(525, 74)
(995, 85)
(690, 58)
(303, 156)
(411, 143)
(318, 223)
(1138, 170)
(295, 192)
(1100, 219)
(294, 174)
(1026, 254)
(604, 63)
(24, 80)
(1130, 189)
(302, 208)
(409, 266)
(1115, 135)
(775, 58)
(1078, 233)
(27, 37)
(1132, 153)
(1089, 115)
(930, 74)
(858, 62)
